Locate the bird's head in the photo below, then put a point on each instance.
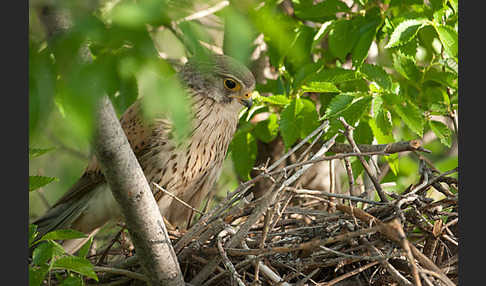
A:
(221, 78)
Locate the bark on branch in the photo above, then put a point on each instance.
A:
(131, 190)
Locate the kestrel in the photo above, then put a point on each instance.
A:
(218, 87)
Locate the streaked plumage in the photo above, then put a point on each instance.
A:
(187, 171)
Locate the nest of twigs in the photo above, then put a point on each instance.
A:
(294, 236)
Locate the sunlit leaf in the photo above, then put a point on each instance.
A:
(405, 32)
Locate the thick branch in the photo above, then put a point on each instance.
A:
(131, 190)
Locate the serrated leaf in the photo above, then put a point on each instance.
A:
(333, 75)
(308, 118)
(356, 109)
(276, 99)
(363, 133)
(380, 137)
(76, 264)
(367, 27)
(406, 67)
(62, 234)
(243, 152)
(342, 38)
(383, 121)
(442, 132)
(412, 117)
(338, 103)
(447, 79)
(36, 182)
(317, 86)
(404, 32)
(377, 74)
(449, 39)
(36, 152)
(267, 130)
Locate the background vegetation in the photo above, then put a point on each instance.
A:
(388, 67)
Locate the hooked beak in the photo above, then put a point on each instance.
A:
(244, 99)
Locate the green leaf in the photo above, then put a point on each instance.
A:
(276, 99)
(289, 126)
(449, 39)
(72, 281)
(243, 152)
(63, 234)
(357, 109)
(377, 74)
(308, 118)
(406, 67)
(83, 251)
(317, 86)
(363, 133)
(342, 38)
(36, 182)
(383, 121)
(442, 132)
(445, 78)
(333, 75)
(405, 32)
(36, 152)
(412, 116)
(381, 138)
(367, 32)
(267, 130)
(37, 275)
(46, 251)
(338, 104)
(76, 264)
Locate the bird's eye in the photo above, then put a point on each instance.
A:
(231, 84)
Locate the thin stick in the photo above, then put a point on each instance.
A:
(123, 272)
(341, 196)
(348, 274)
(349, 135)
(177, 199)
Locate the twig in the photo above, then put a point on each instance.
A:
(123, 272)
(396, 225)
(227, 263)
(322, 193)
(397, 147)
(348, 274)
(349, 135)
(177, 199)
